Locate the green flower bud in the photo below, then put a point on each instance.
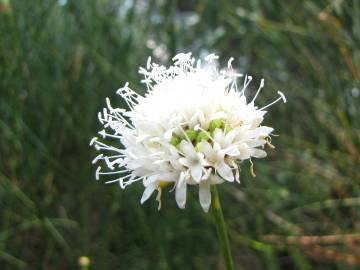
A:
(197, 147)
(191, 134)
(216, 123)
(175, 141)
(202, 136)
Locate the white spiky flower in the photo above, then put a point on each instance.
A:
(192, 127)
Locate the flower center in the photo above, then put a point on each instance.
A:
(197, 136)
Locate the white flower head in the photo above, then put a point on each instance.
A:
(194, 126)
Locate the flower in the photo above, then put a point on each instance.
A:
(192, 127)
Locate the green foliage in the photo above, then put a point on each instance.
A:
(60, 59)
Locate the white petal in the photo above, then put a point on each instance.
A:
(168, 134)
(182, 178)
(180, 194)
(217, 146)
(173, 150)
(140, 138)
(232, 151)
(174, 161)
(205, 195)
(147, 193)
(258, 153)
(221, 83)
(202, 119)
(160, 161)
(195, 118)
(215, 179)
(219, 115)
(187, 149)
(256, 143)
(207, 174)
(206, 149)
(230, 136)
(256, 122)
(244, 151)
(218, 136)
(263, 131)
(151, 179)
(185, 162)
(225, 172)
(196, 172)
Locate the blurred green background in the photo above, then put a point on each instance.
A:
(59, 59)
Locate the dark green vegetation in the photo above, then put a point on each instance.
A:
(59, 62)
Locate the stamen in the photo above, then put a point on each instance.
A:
(237, 170)
(121, 181)
(268, 142)
(108, 104)
(97, 158)
(100, 118)
(115, 119)
(115, 172)
(252, 168)
(111, 164)
(114, 181)
(247, 81)
(258, 91)
(211, 57)
(148, 64)
(229, 62)
(158, 197)
(282, 97)
(97, 173)
(130, 181)
(102, 146)
(93, 140)
(104, 135)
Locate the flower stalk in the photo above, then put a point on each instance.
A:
(221, 228)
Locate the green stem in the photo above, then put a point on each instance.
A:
(221, 228)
